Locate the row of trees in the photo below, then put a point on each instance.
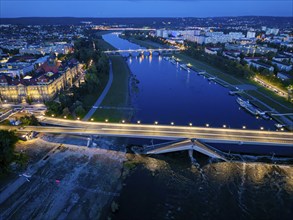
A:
(241, 68)
(73, 101)
(222, 63)
(8, 140)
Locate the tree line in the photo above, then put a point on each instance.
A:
(73, 102)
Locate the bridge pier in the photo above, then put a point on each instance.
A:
(190, 154)
(89, 141)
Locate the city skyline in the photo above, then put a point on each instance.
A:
(137, 8)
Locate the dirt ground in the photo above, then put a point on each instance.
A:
(68, 180)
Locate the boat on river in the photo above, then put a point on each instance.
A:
(279, 125)
(247, 106)
(184, 66)
(173, 61)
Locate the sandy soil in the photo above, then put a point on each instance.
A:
(68, 180)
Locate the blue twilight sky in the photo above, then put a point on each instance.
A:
(144, 8)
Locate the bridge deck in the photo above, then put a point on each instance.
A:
(184, 145)
(219, 135)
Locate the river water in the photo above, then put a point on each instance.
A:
(167, 93)
(170, 186)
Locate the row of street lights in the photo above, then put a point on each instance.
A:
(172, 123)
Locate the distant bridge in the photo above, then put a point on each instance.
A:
(140, 51)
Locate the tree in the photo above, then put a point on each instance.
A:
(65, 111)
(53, 108)
(29, 120)
(8, 140)
(29, 100)
(79, 110)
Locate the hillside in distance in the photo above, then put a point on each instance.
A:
(251, 21)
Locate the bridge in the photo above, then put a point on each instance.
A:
(188, 137)
(141, 51)
(205, 134)
(181, 145)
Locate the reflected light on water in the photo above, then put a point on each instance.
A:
(160, 58)
(257, 173)
(221, 172)
(150, 58)
(141, 58)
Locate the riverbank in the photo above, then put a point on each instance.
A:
(66, 179)
(144, 43)
(116, 105)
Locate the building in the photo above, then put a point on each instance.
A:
(17, 69)
(282, 58)
(236, 35)
(59, 48)
(284, 76)
(250, 48)
(258, 65)
(46, 84)
(212, 50)
(250, 34)
(273, 31)
(232, 55)
(282, 66)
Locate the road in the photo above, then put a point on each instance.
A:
(102, 96)
(208, 135)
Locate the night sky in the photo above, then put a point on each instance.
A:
(140, 8)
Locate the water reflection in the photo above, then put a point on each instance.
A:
(150, 58)
(160, 58)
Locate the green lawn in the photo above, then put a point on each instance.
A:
(118, 95)
(104, 45)
(147, 43)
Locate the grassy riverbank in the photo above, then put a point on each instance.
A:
(116, 103)
(146, 43)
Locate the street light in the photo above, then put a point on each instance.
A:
(224, 126)
(156, 122)
(52, 115)
(106, 120)
(138, 122)
(92, 119)
(78, 118)
(207, 125)
(190, 124)
(172, 123)
(244, 127)
(65, 117)
(123, 121)
(261, 128)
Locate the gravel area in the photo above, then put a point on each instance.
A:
(68, 180)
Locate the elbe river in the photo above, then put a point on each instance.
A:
(170, 186)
